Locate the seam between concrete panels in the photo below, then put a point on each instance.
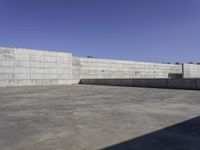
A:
(14, 67)
(29, 65)
(183, 72)
(57, 68)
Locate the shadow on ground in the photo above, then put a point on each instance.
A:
(182, 136)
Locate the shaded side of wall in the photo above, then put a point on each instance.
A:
(34, 67)
(191, 71)
(91, 68)
(191, 84)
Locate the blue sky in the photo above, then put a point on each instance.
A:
(144, 30)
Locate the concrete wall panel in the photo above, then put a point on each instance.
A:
(34, 67)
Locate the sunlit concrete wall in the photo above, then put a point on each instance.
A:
(90, 68)
(191, 71)
(39, 67)
(34, 67)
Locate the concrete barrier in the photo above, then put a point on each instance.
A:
(190, 84)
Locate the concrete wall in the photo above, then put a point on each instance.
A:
(191, 71)
(104, 68)
(34, 67)
(190, 84)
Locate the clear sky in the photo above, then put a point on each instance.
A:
(144, 30)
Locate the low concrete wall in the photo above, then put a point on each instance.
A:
(192, 84)
(34, 67)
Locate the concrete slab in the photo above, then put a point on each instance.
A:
(88, 117)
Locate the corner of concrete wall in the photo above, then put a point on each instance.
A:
(76, 68)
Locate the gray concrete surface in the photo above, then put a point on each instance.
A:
(88, 117)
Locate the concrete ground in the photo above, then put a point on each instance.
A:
(88, 117)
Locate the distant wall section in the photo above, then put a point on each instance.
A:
(90, 68)
(191, 71)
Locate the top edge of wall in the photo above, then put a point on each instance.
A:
(31, 49)
(120, 60)
(192, 64)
